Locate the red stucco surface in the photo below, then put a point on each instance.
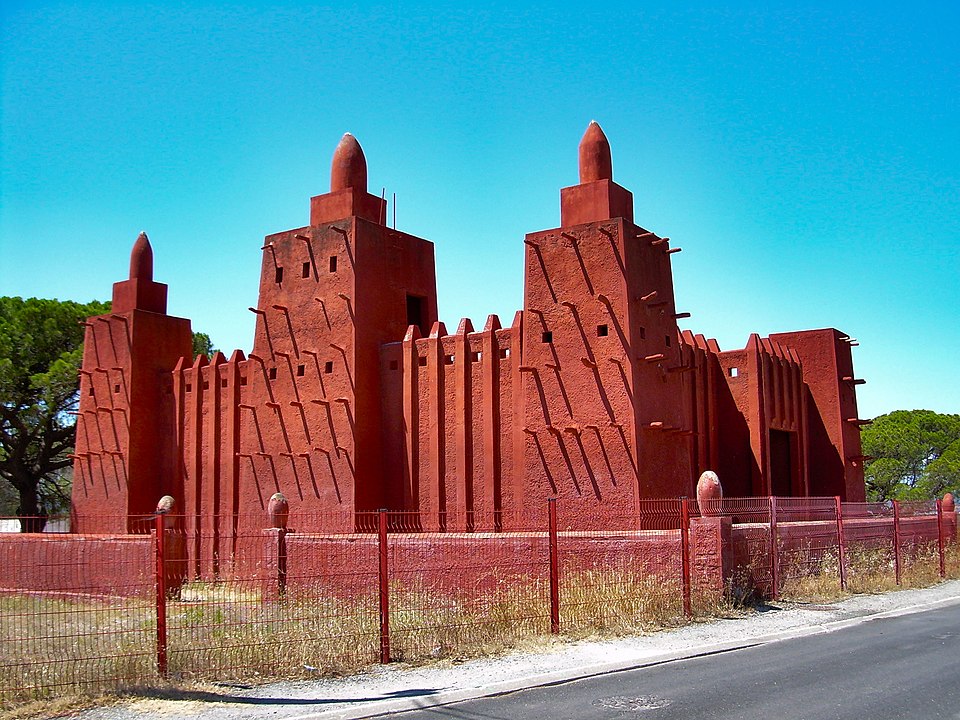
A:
(355, 398)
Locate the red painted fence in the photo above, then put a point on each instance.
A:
(94, 612)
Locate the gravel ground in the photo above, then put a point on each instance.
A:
(398, 687)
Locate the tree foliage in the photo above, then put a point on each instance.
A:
(41, 347)
(202, 345)
(916, 455)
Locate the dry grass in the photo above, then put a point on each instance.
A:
(44, 641)
(222, 632)
(869, 570)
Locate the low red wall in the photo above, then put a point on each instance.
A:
(462, 563)
(348, 565)
(68, 564)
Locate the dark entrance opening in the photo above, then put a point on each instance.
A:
(416, 312)
(781, 463)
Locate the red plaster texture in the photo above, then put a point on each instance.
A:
(355, 398)
(118, 565)
(126, 448)
(711, 552)
(463, 563)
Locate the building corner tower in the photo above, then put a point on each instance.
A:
(126, 450)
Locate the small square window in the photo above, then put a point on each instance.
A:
(299, 370)
(272, 373)
(206, 385)
(328, 367)
(278, 277)
(223, 382)
(333, 263)
(475, 357)
(394, 364)
(448, 359)
(189, 387)
(505, 353)
(602, 331)
(422, 362)
(547, 337)
(306, 270)
(243, 380)
(116, 388)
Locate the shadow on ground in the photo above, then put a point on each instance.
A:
(226, 697)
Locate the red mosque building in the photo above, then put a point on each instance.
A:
(356, 398)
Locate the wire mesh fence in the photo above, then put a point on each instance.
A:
(247, 598)
(75, 615)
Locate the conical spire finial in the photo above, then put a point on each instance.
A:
(349, 168)
(595, 162)
(141, 259)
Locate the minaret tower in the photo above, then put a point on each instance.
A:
(602, 380)
(331, 294)
(126, 439)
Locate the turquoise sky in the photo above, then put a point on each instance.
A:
(805, 157)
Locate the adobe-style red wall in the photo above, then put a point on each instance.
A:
(453, 397)
(355, 397)
(831, 402)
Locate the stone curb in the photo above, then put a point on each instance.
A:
(383, 707)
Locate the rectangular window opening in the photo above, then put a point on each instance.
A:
(189, 387)
(328, 367)
(448, 359)
(505, 353)
(223, 382)
(643, 333)
(90, 391)
(475, 357)
(278, 278)
(394, 364)
(243, 380)
(272, 373)
(333, 263)
(116, 388)
(206, 384)
(602, 331)
(306, 270)
(417, 313)
(734, 372)
(300, 370)
(547, 337)
(422, 362)
(666, 340)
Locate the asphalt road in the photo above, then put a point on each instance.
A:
(900, 667)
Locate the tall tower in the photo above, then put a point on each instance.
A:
(331, 294)
(126, 446)
(602, 375)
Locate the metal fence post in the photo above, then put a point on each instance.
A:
(161, 597)
(896, 540)
(685, 553)
(384, 588)
(841, 543)
(554, 566)
(774, 550)
(940, 548)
